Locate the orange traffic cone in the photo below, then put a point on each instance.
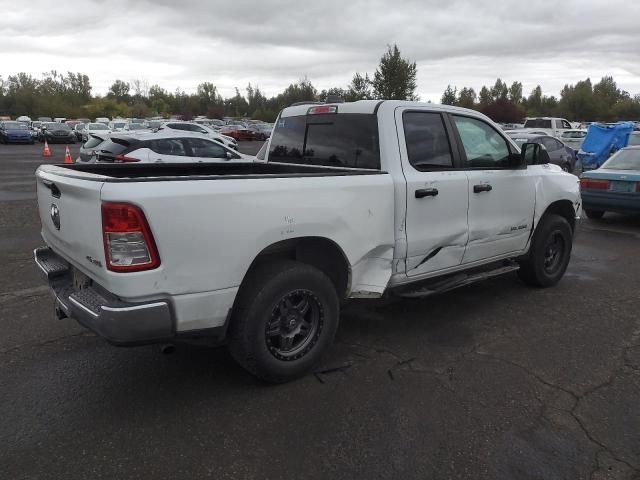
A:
(67, 156)
(46, 151)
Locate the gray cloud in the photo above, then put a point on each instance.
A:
(462, 42)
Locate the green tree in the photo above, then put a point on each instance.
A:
(359, 88)
(515, 92)
(534, 102)
(119, 91)
(395, 78)
(484, 97)
(499, 91)
(467, 98)
(450, 96)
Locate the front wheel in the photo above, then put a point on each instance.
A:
(286, 316)
(549, 254)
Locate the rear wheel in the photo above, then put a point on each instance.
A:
(286, 316)
(566, 167)
(594, 214)
(549, 254)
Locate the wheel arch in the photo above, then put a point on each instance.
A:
(319, 252)
(565, 209)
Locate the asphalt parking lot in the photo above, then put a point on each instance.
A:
(492, 381)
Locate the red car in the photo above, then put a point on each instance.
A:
(238, 132)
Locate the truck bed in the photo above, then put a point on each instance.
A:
(195, 171)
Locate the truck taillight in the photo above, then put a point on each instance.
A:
(592, 184)
(128, 242)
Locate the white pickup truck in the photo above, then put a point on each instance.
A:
(552, 126)
(352, 200)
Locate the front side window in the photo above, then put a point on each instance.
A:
(483, 145)
(205, 149)
(427, 142)
(179, 126)
(565, 124)
(337, 140)
(169, 146)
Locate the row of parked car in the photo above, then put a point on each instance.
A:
(60, 130)
(563, 142)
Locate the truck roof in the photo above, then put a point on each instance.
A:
(372, 106)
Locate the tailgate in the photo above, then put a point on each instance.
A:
(71, 217)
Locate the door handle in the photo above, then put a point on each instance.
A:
(484, 187)
(426, 192)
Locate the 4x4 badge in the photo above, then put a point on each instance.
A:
(55, 216)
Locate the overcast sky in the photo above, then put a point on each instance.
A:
(271, 43)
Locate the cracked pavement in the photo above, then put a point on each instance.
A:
(492, 381)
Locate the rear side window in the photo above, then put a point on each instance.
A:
(335, 140)
(206, 149)
(93, 142)
(169, 146)
(427, 142)
(113, 147)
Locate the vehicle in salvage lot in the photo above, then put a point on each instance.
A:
(163, 147)
(93, 127)
(550, 125)
(54, 132)
(601, 142)
(88, 148)
(206, 130)
(615, 186)
(559, 153)
(573, 138)
(238, 132)
(354, 200)
(15, 132)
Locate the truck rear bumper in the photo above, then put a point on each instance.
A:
(118, 322)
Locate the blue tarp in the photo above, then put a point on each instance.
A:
(601, 142)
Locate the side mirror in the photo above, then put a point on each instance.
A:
(534, 154)
(229, 156)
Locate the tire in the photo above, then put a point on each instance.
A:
(594, 214)
(261, 342)
(567, 167)
(549, 254)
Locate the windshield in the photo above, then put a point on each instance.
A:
(57, 126)
(634, 139)
(136, 126)
(119, 124)
(98, 126)
(626, 159)
(345, 140)
(14, 126)
(537, 123)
